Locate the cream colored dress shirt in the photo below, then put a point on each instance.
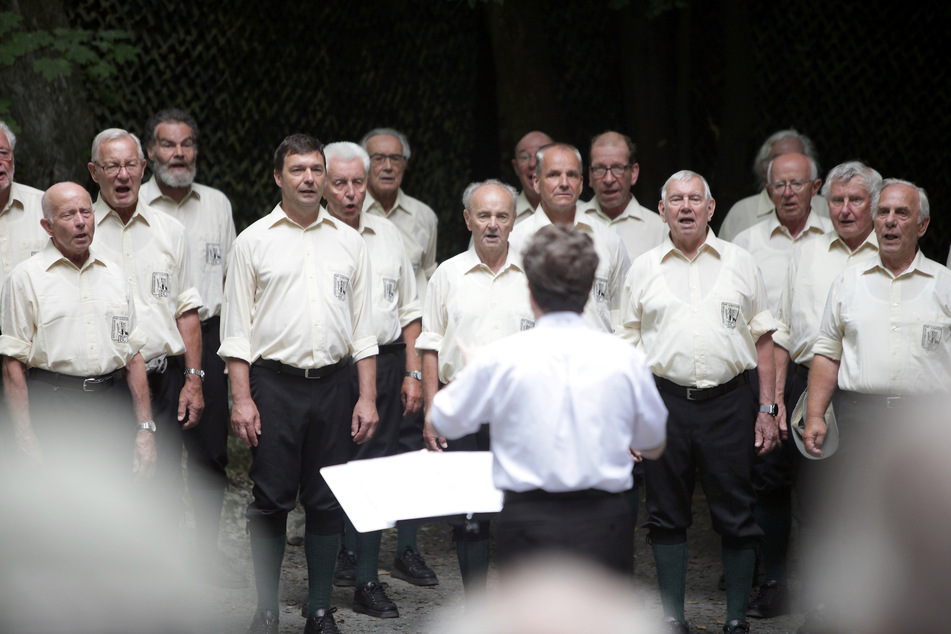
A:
(523, 208)
(772, 247)
(601, 309)
(697, 321)
(395, 303)
(814, 266)
(892, 334)
(468, 301)
(753, 209)
(417, 224)
(206, 214)
(20, 232)
(75, 321)
(298, 295)
(153, 251)
(639, 228)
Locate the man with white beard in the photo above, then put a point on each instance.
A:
(171, 138)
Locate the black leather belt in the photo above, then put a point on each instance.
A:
(882, 401)
(802, 370)
(538, 495)
(79, 383)
(701, 393)
(392, 348)
(309, 373)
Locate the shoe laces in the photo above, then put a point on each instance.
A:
(326, 622)
(412, 559)
(376, 592)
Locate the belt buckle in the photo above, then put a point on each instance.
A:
(307, 372)
(690, 391)
(893, 402)
(94, 381)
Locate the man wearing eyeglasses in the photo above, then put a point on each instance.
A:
(20, 211)
(524, 166)
(748, 211)
(389, 154)
(152, 249)
(612, 173)
(172, 145)
(793, 180)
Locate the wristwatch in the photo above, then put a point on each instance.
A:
(200, 373)
(772, 409)
(415, 374)
(148, 425)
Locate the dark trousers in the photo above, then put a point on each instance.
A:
(463, 530)
(712, 438)
(596, 527)
(207, 443)
(84, 434)
(775, 473)
(389, 406)
(165, 388)
(305, 425)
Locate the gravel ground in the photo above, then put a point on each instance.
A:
(231, 610)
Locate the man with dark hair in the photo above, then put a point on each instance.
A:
(476, 297)
(570, 406)
(297, 310)
(172, 146)
(696, 306)
(612, 172)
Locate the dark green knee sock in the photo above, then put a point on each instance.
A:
(267, 553)
(368, 555)
(738, 567)
(349, 535)
(321, 552)
(775, 522)
(406, 537)
(671, 562)
(473, 563)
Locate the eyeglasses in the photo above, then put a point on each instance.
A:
(114, 168)
(380, 159)
(600, 171)
(795, 186)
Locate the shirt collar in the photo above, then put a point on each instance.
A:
(835, 242)
(560, 319)
(104, 211)
(711, 243)
(150, 192)
(278, 216)
(50, 256)
(920, 265)
(471, 262)
(813, 225)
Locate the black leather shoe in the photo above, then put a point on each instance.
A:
(321, 622)
(410, 567)
(736, 626)
(264, 622)
(345, 574)
(673, 626)
(371, 599)
(772, 601)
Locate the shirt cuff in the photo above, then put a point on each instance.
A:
(428, 341)
(236, 348)
(187, 300)
(363, 348)
(15, 348)
(762, 324)
(828, 348)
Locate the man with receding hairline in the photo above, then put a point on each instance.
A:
(613, 170)
(523, 164)
(172, 145)
(71, 351)
(558, 182)
(152, 248)
(696, 306)
(573, 404)
(476, 297)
